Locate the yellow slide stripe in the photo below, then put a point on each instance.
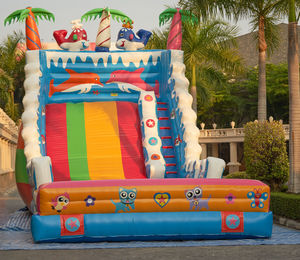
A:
(102, 141)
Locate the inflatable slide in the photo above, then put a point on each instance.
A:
(108, 149)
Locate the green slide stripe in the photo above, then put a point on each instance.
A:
(21, 172)
(76, 142)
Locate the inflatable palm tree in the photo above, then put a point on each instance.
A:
(178, 16)
(103, 34)
(31, 15)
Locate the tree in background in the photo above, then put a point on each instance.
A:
(265, 153)
(237, 100)
(207, 53)
(263, 15)
(31, 15)
(103, 35)
(12, 62)
(294, 107)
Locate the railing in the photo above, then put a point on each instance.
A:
(228, 135)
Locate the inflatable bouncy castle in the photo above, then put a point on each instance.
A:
(109, 151)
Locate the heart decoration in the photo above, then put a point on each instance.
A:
(162, 199)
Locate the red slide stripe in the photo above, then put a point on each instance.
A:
(56, 141)
(131, 140)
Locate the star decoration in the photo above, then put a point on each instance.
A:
(233, 221)
(96, 92)
(72, 224)
(162, 199)
(150, 123)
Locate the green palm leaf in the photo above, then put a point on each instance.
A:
(166, 15)
(16, 16)
(21, 15)
(115, 14)
(40, 13)
(186, 16)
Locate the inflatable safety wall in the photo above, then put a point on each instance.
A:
(109, 152)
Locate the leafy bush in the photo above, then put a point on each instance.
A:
(265, 153)
(285, 205)
(237, 175)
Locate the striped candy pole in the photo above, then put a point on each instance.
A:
(103, 34)
(33, 41)
(175, 34)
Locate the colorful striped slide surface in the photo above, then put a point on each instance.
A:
(94, 141)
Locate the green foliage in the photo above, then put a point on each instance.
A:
(158, 40)
(22, 14)
(285, 205)
(186, 16)
(265, 153)
(115, 14)
(236, 100)
(237, 175)
(12, 62)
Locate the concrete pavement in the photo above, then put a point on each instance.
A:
(10, 202)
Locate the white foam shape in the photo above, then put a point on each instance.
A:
(191, 132)
(127, 57)
(30, 132)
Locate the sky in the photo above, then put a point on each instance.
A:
(144, 13)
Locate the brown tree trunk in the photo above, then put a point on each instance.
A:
(262, 96)
(294, 108)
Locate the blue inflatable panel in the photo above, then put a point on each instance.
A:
(151, 226)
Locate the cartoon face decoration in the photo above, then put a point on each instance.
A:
(194, 194)
(127, 196)
(60, 202)
(194, 197)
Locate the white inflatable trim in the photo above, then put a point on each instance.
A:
(147, 102)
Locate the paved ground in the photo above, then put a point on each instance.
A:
(220, 252)
(11, 202)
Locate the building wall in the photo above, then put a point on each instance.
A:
(8, 145)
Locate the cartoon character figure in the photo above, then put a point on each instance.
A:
(78, 81)
(76, 41)
(128, 41)
(127, 199)
(132, 80)
(194, 196)
(257, 198)
(60, 202)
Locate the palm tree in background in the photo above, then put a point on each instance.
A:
(208, 54)
(103, 35)
(31, 15)
(263, 14)
(12, 62)
(178, 16)
(294, 98)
